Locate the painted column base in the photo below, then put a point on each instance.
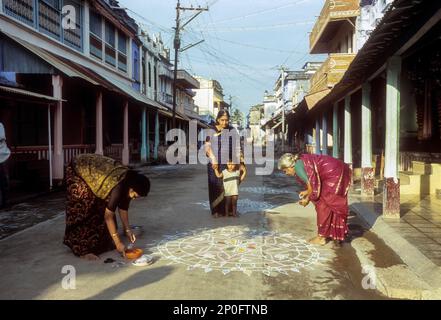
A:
(125, 157)
(367, 182)
(352, 175)
(391, 198)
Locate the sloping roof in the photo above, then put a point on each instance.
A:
(400, 23)
(29, 96)
(93, 76)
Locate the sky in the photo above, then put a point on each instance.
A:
(245, 41)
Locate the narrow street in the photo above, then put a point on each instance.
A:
(263, 254)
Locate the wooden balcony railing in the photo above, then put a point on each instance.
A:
(331, 71)
(333, 10)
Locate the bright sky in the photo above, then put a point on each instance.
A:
(245, 40)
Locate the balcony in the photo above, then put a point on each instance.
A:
(165, 72)
(331, 71)
(186, 81)
(334, 14)
(165, 98)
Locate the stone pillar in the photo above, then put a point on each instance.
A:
(391, 194)
(367, 170)
(99, 123)
(126, 151)
(317, 136)
(155, 150)
(58, 158)
(335, 129)
(144, 134)
(348, 135)
(325, 135)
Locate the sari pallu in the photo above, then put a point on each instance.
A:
(330, 180)
(89, 180)
(224, 149)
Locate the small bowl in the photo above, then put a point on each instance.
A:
(133, 254)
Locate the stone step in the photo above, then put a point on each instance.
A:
(420, 167)
(412, 183)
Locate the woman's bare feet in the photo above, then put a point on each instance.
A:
(319, 240)
(90, 257)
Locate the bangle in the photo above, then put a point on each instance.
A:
(128, 230)
(114, 235)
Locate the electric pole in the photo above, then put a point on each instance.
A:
(177, 47)
(282, 70)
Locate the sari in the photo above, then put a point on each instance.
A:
(89, 180)
(330, 180)
(223, 149)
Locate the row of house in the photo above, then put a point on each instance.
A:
(81, 76)
(375, 102)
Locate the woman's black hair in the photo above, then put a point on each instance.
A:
(138, 182)
(222, 113)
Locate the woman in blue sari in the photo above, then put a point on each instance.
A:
(222, 146)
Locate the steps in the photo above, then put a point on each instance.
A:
(425, 179)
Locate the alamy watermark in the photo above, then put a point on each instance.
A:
(369, 281)
(231, 145)
(69, 281)
(69, 17)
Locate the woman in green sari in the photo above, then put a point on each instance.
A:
(96, 187)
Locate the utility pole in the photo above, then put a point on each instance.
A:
(282, 70)
(177, 47)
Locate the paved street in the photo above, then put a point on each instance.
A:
(256, 256)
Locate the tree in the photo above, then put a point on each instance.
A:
(237, 117)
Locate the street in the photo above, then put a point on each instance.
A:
(263, 254)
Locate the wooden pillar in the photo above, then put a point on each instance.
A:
(58, 159)
(99, 123)
(126, 151)
(155, 150)
(367, 170)
(317, 136)
(335, 130)
(391, 194)
(144, 135)
(324, 135)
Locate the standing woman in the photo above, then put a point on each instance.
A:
(96, 187)
(327, 182)
(219, 155)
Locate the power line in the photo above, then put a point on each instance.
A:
(258, 28)
(257, 47)
(260, 12)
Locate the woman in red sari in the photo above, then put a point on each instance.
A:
(327, 182)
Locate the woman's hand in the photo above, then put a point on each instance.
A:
(305, 194)
(304, 202)
(121, 248)
(215, 166)
(130, 235)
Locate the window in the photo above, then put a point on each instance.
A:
(143, 72)
(154, 79)
(150, 75)
(110, 34)
(122, 52)
(96, 26)
(74, 36)
(21, 10)
(110, 52)
(96, 34)
(49, 17)
(135, 66)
